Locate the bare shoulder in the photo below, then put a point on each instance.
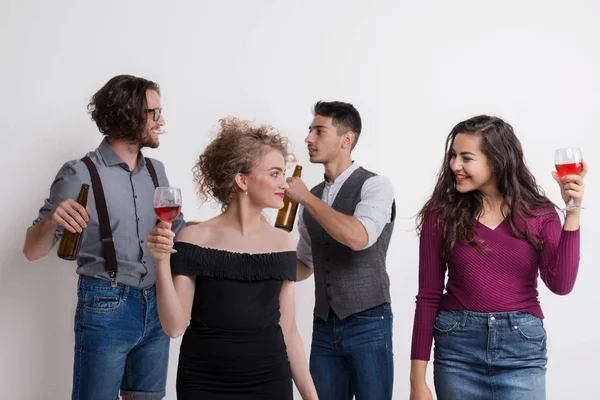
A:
(281, 240)
(197, 233)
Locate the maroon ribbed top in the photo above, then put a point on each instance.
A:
(500, 276)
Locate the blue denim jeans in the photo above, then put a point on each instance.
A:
(489, 356)
(119, 343)
(354, 357)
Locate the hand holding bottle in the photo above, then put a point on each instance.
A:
(71, 215)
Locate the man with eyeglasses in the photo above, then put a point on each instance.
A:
(119, 342)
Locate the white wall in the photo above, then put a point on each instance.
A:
(413, 70)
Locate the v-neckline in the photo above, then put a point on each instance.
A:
(491, 229)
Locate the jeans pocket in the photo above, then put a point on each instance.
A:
(532, 330)
(103, 302)
(446, 321)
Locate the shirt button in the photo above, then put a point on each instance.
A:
(492, 319)
(329, 285)
(138, 219)
(327, 272)
(141, 241)
(329, 298)
(326, 259)
(135, 196)
(143, 262)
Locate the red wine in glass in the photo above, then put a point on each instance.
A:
(167, 204)
(167, 213)
(568, 161)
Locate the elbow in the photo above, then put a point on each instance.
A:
(563, 291)
(30, 255)
(358, 244)
(174, 333)
(303, 273)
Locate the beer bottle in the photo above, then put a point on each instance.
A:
(287, 215)
(71, 242)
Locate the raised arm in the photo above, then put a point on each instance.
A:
(174, 294)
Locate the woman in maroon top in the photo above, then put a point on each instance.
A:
(493, 230)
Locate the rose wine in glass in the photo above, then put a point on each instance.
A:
(568, 161)
(167, 204)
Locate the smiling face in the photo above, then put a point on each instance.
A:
(149, 137)
(470, 165)
(266, 183)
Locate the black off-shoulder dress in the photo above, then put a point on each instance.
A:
(234, 347)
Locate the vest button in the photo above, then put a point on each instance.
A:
(329, 298)
(326, 243)
(327, 271)
(329, 285)
(326, 259)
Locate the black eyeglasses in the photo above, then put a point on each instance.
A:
(156, 112)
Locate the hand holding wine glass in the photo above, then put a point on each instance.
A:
(167, 205)
(570, 170)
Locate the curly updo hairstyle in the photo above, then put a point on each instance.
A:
(237, 148)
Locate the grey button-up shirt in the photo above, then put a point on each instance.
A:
(129, 199)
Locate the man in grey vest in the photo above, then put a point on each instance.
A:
(345, 225)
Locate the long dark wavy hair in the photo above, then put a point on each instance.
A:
(119, 107)
(457, 212)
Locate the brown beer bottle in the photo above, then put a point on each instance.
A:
(71, 242)
(287, 215)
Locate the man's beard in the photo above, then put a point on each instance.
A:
(148, 141)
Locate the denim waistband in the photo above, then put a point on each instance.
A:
(123, 290)
(508, 319)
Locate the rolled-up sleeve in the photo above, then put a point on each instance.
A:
(303, 248)
(66, 185)
(375, 208)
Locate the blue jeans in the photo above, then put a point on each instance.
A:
(119, 343)
(489, 356)
(354, 357)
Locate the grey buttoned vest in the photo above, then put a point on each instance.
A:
(348, 281)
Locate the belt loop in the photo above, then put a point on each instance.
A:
(125, 291)
(463, 319)
(513, 321)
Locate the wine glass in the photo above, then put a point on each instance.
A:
(167, 204)
(568, 161)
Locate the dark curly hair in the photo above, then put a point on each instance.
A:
(457, 212)
(119, 108)
(237, 148)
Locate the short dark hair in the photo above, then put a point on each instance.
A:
(119, 108)
(345, 116)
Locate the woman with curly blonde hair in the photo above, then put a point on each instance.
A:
(232, 277)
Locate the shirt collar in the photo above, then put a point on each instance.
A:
(110, 156)
(344, 175)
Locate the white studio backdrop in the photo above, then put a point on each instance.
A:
(413, 70)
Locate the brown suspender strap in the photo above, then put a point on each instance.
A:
(152, 171)
(110, 255)
(108, 244)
